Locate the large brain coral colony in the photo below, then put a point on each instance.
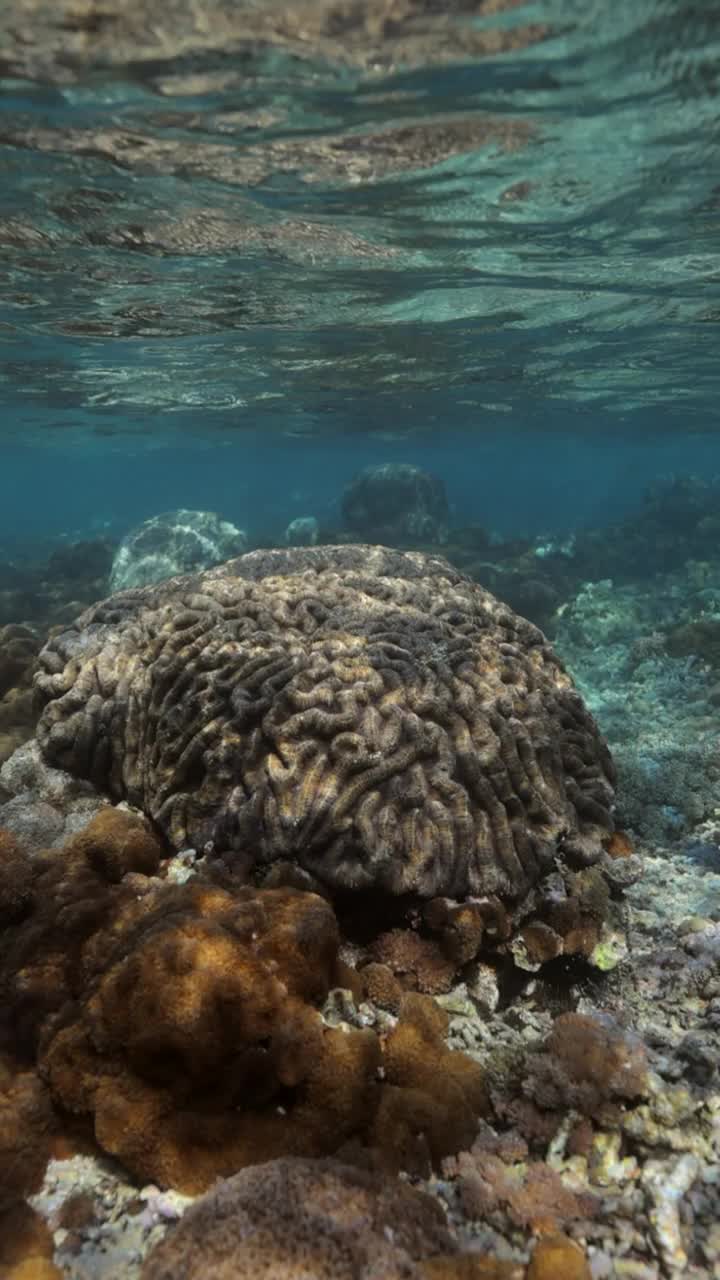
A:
(337, 729)
(369, 716)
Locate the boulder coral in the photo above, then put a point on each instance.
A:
(396, 502)
(174, 542)
(369, 716)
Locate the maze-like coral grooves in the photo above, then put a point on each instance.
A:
(370, 715)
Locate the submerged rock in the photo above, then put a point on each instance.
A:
(396, 502)
(176, 542)
(304, 531)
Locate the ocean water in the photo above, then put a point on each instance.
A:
(246, 253)
(251, 250)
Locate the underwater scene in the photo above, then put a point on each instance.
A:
(359, 640)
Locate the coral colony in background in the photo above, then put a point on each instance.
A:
(336, 940)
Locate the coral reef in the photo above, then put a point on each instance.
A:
(295, 1218)
(183, 1018)
(173, 543)
(54, 589)
(573, 1125)
(43, 806)
(367, 715)
(655, 708)
(396, 502)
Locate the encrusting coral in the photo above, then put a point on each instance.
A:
(26, 1133)
(369, 716)
(589, 1063)
(183, 1019)
(294, 1218)
(495, 1178)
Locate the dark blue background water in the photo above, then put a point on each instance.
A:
(552, 482)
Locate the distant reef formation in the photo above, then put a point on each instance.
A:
(395, 502)
(173, 543)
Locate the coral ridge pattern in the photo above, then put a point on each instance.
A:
(370, 715)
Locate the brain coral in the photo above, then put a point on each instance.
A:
(370, 715)
(174, 542)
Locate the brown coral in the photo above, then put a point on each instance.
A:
(196, 1047)
(557, 1257)
(460, 926)
(589, 1064)
(26, 1246)
(594, 1050)
(371, 715)
(417, 963)
(26, 1126)
(532, 1194)
(432, 1097)
(18, 655)
(296, 1218)
(183, 1020)
(16, 878)
(380, 985)
(62, 900)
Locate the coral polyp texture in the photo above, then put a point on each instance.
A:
(370, 716)
(292, 1219)
(184, 1021)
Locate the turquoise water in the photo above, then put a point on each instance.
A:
(245, 254)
